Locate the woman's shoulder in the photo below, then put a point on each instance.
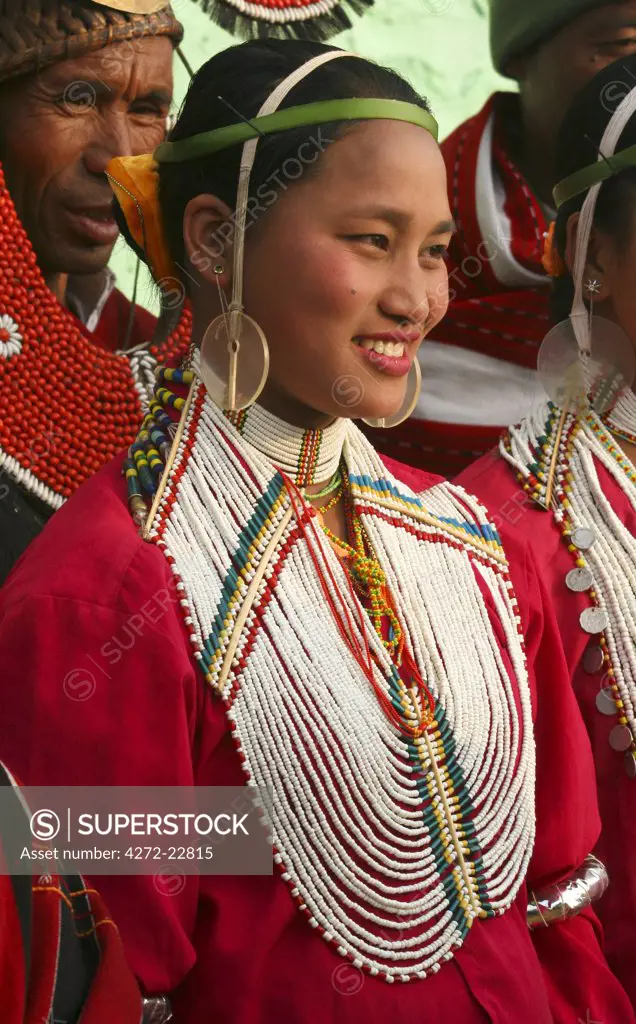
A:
(417, 479)
(511, 507)
(90, 550)
(531, 538)
(490, 478)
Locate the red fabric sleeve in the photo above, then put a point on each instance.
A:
(94, 695)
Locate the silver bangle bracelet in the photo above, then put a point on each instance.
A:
(560, 902)
(157, 1010)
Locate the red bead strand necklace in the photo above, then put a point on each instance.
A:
(66, 406)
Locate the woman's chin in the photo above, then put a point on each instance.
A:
(359, 396)
(383, 407)
(375, 411)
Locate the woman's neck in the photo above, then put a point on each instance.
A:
(309, 454)
(289, 409)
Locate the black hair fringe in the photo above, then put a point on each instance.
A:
(317, 29)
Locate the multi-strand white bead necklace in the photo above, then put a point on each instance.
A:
(621, 420)
(560, 452)
(390, 844)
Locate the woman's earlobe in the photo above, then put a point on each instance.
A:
(222, 275)
(207, 235)
(596, 259)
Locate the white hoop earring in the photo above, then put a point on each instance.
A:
(413, 386)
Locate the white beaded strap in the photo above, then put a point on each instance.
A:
(251, 596)
(29, 481)
(604, 548)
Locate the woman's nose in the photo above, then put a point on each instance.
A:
(406, 304)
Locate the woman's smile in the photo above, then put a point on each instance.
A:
(390, 352)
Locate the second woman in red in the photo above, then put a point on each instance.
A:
(568, 481)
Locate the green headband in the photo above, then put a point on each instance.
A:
(603, 169)
(322, 112)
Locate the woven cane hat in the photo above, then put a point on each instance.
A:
(36, 33)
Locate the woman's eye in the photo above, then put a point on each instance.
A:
(624, 43)
(438, 252)
(378, 241)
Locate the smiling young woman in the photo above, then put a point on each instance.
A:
(342, 630)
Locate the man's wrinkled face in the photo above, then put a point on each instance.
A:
(58, 130)
(552, 75)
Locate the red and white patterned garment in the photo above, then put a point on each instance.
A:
(61, 958)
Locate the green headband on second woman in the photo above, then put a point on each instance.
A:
(321, 112)
(583, 179)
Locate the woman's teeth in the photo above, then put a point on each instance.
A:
(384, 348)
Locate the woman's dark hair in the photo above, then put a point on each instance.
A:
(242, 77)
(579, 144)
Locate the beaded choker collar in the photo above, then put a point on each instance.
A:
(622, 418)
(66, 406)
(307, 456)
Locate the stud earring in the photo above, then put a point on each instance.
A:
(219, 268)
(592, 286)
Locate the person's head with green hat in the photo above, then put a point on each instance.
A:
(552, 48)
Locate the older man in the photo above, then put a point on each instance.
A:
(80, 82)
(479, 369)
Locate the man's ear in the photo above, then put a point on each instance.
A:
(208, 237)
(596, 258)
